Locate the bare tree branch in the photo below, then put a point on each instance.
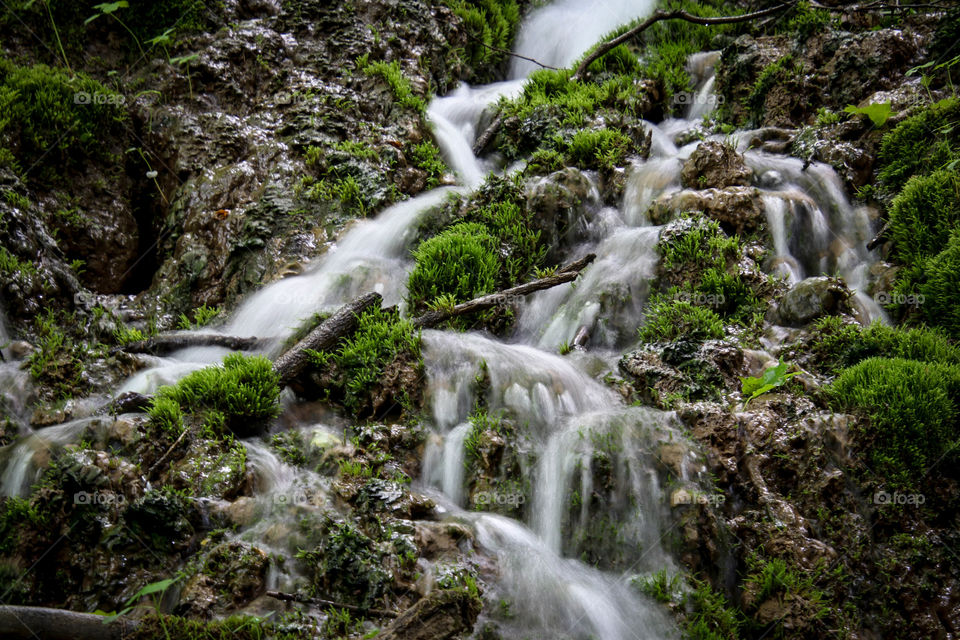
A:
(660, 15)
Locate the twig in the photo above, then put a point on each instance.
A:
(677, 14)
(510, 53)
(296, 597)
(167, 454)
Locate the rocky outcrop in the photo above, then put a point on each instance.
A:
(811, 299)
(739, 210)
(715, 165)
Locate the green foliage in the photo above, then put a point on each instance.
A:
(166, 416)
(238, 395)
(878, 113)
(941, 289)
(711, 617)
(12, 265)
(346, 566)
(660, 586)
(399, 85)
(16, 513)
(490, 25)
(54, 120)
(840, 345)
(775, 73)
(923, 215)
(381, 338)
(912, 413)
(805, 21)
(669, 319)
(462, 261)
(202, 316)
(595, 148)
(921, 144)
(156, 626)
(426, 157)
(770, 379)
(56, 364)
(126, 335)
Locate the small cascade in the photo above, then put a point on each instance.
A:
(703, 100)
(553, 596)
(22, 462)
(607, 302)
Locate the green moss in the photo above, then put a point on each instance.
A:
(595, 148)
(840, 345)
(775, 73)
(940, 291)
(381, 339)
(155, 627)
(399, 85)
(669, 319)
(698, 264)
(461, 262)
(804, 21)
(51, 120)
(920, 144)
(16, 514)
(166, 416)
(923, 215)
(490, 25)
(426, 157)
(912, 414)
(240, 395)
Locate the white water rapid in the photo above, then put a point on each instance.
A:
(563, 566)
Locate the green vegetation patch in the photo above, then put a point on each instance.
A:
(399, 84)
(840, 345)
(923, 143)
(357, 369)
(51, 120)
(491, 26)
(241, 395)
(912, 414)
(460, 262)
(669, 319)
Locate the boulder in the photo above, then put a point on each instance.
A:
(739, 210)
(715, 165)
(556, 202)
(811, 299)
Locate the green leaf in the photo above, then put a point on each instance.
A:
(770, 379)
(878, 113)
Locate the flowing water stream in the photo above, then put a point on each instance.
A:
(575, 429)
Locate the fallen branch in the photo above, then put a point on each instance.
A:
(660, 15)
(505, 297)
(444, 614)
(176, 340)
(294, 360)
(58, 624)
(294, 597)
(484, 138)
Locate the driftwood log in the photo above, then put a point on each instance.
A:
(442, 615)
(505, 297)
(58, 624)
(294, 360)
(165, 343)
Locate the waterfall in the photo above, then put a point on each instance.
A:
(572, 421)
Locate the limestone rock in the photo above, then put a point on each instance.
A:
(715, 165)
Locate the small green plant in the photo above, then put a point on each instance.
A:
(158, 588)
(669, 319)
(426, 157)
(878, 113)
(126, 335)
(774, 377)
(202, 316)
(400, 86)
(461, 262)
(660, 586)
(490, 25)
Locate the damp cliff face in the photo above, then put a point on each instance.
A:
(739, 421)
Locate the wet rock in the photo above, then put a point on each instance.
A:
(715, 165)
(443, 615)
(233, 574)
(811, 299)
(440, 539)
(556, 203)
(739, 210)
(20, 349)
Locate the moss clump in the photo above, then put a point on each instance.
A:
(699, 263)
(57, 363)
(920, 144)
(595, 148)
(240, 395)
(773, 74)
(426, 157)
(167, 627)
(912, 414)
(491, 26)
(460, 263)
(941, 288)
(399, 84)
(356, 370)
(669, 319)
(923, 215)
(54, 120)
(840, 345)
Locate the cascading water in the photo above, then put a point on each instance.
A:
(576, 428)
